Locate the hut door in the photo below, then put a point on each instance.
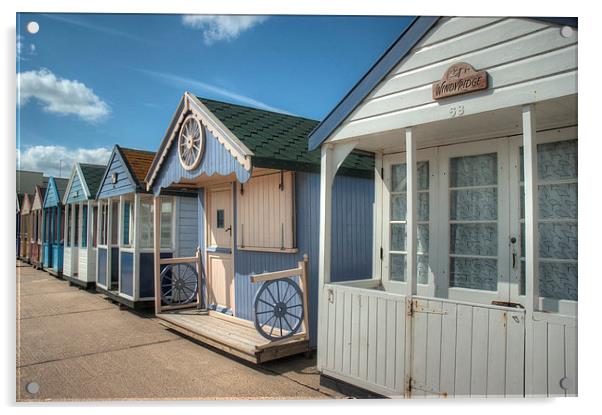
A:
(220, 271)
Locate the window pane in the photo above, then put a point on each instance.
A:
(398, 237)
(558, 240)
(126, 223)
(473, 239)
(398, 176)
(399, 209)
(76, 226)
(478, 170)
(558, 201)
(84, 226)
(475, 273)
(557, 161)
(422, 245)
(114, 223)
(423, 269)
(473, 204)
(558, 280)
(398, 267)
(166, 223)
(220, 218)
(146, 224)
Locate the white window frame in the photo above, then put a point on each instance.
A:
(429, 155)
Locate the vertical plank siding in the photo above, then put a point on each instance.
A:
(365, 338)
(555, 356)
(352, 242)
(187, 224)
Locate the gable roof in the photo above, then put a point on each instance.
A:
(38, 198)
(26, 205)
(138, 162)
(89, 175)
(400, 48)
(277, 140)
(54, 191)
(19, 201)
(268, 139)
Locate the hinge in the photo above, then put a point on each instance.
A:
(381, 253)
(242, 189)
(382, 172)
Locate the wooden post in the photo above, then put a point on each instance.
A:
(411, 233)
(157, 246)
(411, 218)
(531, 240)
(377, 217)
(331, 158)
(199, 273)
(304, 289)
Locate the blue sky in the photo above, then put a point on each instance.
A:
(89, 81)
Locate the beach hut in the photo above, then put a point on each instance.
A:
(473, 124)
(36, 227)
(79, 257)
(25, 228)
(18, 223)
(126, 252)
(251, 288)
(53, 222)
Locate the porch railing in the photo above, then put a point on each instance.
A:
(275, 304)
(179, 284)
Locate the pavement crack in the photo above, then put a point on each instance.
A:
(98, 353)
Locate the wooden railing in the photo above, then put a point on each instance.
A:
(301, 272)
(197, 261)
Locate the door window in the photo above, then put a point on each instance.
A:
(473, 222)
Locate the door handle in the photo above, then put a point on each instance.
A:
(514, 260)
(228, 229)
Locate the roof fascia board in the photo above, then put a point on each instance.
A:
(128, 168)
(69, 183)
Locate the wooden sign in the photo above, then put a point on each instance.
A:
(460, 78)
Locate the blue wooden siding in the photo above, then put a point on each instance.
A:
(101, 272)
(147, 273)
(124, 184)
(126, 271)
(76, 190)
(52, 197)
(216, 160)
(352, 222)
(187, 226)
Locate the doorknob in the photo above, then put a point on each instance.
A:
(513, 242)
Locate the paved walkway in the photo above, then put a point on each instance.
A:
(76, 345)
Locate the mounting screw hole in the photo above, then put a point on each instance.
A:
(32, 388)
(33, 27)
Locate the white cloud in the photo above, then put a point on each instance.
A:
(60, 96)
(217, 28)
(58, 160)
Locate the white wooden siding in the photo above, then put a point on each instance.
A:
(462, 350)
(265, 214)
(364, 338)
(527, 60)
(555, 354)
(67, 261)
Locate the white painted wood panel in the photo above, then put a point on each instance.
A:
(466, 349)
(555, 355)
(449, 27)
(373, 319)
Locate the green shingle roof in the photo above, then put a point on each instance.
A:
(279, 140)
(93, 174)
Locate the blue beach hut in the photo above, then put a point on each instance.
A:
(257, 192)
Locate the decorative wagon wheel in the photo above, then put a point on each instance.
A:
(179, 284)
(278, 309)
(191, 143)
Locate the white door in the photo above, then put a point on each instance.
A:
(220, 271)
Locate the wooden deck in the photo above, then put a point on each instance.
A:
(234, 336)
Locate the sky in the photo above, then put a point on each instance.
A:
(86, 82)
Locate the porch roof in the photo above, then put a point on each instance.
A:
(400, 48)
(279, 140)
(138, 162)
